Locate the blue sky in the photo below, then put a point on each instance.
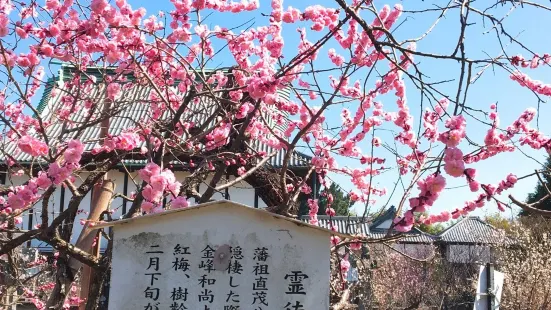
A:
(528, 25)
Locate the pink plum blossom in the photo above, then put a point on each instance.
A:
(32, 146)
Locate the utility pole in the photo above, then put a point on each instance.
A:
(490, 285)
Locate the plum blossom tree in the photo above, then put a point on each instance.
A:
(524, 264)
(346, 58)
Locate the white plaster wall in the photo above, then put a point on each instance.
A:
(384, 225)
(132, 185)
(290, 248)
(261, 203)
(468, 253)
(241, 192)
(117, 203)
(14, 181)
(53, 208)
(83, 209)
(419, 251)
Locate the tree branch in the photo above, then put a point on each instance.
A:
(532, 208)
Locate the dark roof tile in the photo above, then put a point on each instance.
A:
(354, 225)
(343, 224)
(412, 236)
(473, 230)
(133, 109)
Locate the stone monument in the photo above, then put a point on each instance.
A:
(219, 256)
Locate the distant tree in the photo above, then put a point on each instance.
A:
(498, 221)
(526, 265)
(539, 191)
(341, 202)
(432, 229)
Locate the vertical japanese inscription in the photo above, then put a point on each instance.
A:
(152, 274)
(206, 295)
(201, 284)
(235, 269)
(179, 295)
(261, 273)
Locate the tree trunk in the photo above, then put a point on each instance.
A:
(68, 267)
(97, 285)
(64, 279)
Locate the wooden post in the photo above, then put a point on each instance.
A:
(100, 202)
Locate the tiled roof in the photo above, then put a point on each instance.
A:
(354, 225)
(133, 108)
(468, 230)
(472, 230)
(343, 224)
(413, 236)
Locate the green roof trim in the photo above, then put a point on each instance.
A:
(46, 95)
(49, 103)
(67, 71)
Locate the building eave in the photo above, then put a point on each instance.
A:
(214, 204)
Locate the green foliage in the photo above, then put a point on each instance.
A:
(432, 229)
(498, 221)
(341, 202)
(539, 191)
